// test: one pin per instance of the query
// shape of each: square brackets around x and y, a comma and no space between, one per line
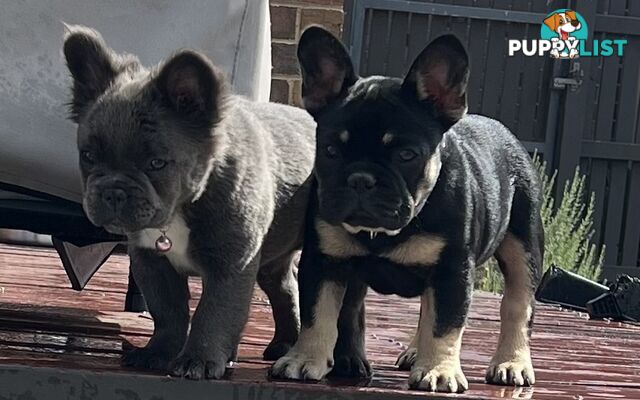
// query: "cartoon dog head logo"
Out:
[564,23]
[564,26]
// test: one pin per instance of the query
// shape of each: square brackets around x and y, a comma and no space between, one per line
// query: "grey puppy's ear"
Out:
[192,87]
[327,70]
[440,74]
[93,66]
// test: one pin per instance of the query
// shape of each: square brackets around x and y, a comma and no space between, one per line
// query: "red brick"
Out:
[296,94]
[280,91]
[283,22]
[330,19]
[283,57]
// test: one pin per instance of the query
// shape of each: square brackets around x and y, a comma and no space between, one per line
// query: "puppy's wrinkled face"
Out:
[379,139]
[144,137]
[378,153]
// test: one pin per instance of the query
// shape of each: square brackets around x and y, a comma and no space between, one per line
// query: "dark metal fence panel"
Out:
[595,126]
[607,147]
[386,35]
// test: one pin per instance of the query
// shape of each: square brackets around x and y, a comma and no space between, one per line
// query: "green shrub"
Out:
[568,232]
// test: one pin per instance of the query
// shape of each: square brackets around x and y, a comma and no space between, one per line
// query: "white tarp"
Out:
[37,142]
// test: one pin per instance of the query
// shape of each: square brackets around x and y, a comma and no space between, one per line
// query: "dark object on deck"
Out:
[621,303]
[81,262]
[568,289]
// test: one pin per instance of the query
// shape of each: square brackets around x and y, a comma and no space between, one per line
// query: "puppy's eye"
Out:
[332,151]
[88,157]
[157,164]
[407,155]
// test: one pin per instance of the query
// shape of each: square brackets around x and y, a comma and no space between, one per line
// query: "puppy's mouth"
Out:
[126,227]
[119,227]
[373,232]
[125,219]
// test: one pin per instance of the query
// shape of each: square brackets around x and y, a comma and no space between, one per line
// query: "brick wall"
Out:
[288,19]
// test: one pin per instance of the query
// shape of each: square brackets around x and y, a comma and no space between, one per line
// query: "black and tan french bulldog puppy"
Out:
[412,195]
[203,183]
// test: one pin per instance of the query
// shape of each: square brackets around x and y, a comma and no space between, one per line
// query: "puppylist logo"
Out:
[564,34]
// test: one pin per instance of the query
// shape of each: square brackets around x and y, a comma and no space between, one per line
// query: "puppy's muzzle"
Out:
[376,201]
[119,204]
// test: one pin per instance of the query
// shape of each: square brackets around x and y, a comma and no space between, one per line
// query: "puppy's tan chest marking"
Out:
[418,250]
[335,241]
[178,256]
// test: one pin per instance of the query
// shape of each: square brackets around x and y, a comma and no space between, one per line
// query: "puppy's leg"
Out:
[218,321]
[279,282]
[444,309]
[407,358]
[166,293]
[312,355]
[349,353]
[320,303]
[520,262]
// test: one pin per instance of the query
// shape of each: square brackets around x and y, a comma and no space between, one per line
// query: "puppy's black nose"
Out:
[575,22]
[361,181]
[114,198]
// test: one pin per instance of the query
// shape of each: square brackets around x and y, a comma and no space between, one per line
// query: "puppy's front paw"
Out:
[196,367]
[444,377]
[300,367]
[406,359]
[276,349]
[352,366]
[516,372]
[152,358]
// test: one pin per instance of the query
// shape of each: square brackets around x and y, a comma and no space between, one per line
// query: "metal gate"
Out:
[582,112]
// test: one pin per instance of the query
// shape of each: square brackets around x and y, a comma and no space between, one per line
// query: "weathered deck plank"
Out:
[60,340]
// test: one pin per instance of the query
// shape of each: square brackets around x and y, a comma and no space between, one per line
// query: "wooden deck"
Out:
[59,344]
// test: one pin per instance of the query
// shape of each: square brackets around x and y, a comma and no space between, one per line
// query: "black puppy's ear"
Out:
[440,74]
[327,71]
[192,87]
[93,66]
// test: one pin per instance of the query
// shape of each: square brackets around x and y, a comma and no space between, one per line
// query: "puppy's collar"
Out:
[163,242]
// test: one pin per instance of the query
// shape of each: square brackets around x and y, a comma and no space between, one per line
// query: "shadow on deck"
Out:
[59,344]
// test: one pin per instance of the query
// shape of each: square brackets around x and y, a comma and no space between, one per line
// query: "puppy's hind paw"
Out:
[447,377]
[197,368]
[299,367]
[406,359]
[518,372]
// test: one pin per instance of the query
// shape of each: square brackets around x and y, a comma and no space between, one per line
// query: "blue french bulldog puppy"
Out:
[203,183]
